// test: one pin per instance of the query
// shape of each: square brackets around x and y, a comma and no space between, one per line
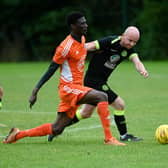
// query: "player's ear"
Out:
[72,26]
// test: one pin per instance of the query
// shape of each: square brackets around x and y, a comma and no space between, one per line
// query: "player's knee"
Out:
[119,104]
[86,115]
[122,104]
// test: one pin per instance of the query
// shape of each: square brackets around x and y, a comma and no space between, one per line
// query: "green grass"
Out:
[81,145]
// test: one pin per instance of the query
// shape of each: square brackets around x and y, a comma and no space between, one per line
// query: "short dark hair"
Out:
[73,17]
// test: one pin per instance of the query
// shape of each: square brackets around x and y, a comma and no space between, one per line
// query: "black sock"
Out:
[121,124]
[0,99]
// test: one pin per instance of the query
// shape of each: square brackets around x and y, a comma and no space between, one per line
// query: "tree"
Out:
[154,24]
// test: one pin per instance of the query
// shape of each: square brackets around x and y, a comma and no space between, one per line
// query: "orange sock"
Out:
[42,130]
[104,115]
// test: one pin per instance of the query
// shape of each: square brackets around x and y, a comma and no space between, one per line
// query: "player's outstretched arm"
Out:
[91,46]
[47,75]
[140,67]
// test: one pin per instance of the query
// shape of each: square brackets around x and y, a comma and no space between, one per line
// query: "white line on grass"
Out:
[3,125]
[29,111]
[74,129]
[77,129]
[67,130]
[39,112]
[33,112]
[2,136]
[83,128]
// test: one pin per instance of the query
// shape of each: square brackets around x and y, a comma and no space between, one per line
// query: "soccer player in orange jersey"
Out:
[70,56]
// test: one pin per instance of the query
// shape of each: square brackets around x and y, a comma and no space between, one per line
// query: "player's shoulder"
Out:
[66,43]
[68,39]
[111,38]
[115,39]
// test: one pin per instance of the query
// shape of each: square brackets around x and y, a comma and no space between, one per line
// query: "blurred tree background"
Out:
[30,30]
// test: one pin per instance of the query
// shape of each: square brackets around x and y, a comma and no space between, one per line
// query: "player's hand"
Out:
[33,97]
[144,74]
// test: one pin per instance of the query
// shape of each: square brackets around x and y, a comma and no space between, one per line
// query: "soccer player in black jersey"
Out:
[113,51]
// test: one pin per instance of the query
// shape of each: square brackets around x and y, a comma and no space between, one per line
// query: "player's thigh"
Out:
[93,97]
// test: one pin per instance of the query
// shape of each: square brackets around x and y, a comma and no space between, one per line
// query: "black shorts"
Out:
[98,85]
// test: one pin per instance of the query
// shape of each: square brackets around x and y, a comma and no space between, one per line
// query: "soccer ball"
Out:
[161,134]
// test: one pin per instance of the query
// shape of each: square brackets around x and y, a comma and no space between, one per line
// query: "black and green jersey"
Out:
[110,55]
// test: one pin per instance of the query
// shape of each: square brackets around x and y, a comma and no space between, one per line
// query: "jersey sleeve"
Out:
[103,43]
[60,55]
[108,42]
[132,53]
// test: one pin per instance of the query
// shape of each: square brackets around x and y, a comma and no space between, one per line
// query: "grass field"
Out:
[81,145]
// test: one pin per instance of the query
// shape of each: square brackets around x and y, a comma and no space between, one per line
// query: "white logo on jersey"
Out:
[112,62]
[70,90]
